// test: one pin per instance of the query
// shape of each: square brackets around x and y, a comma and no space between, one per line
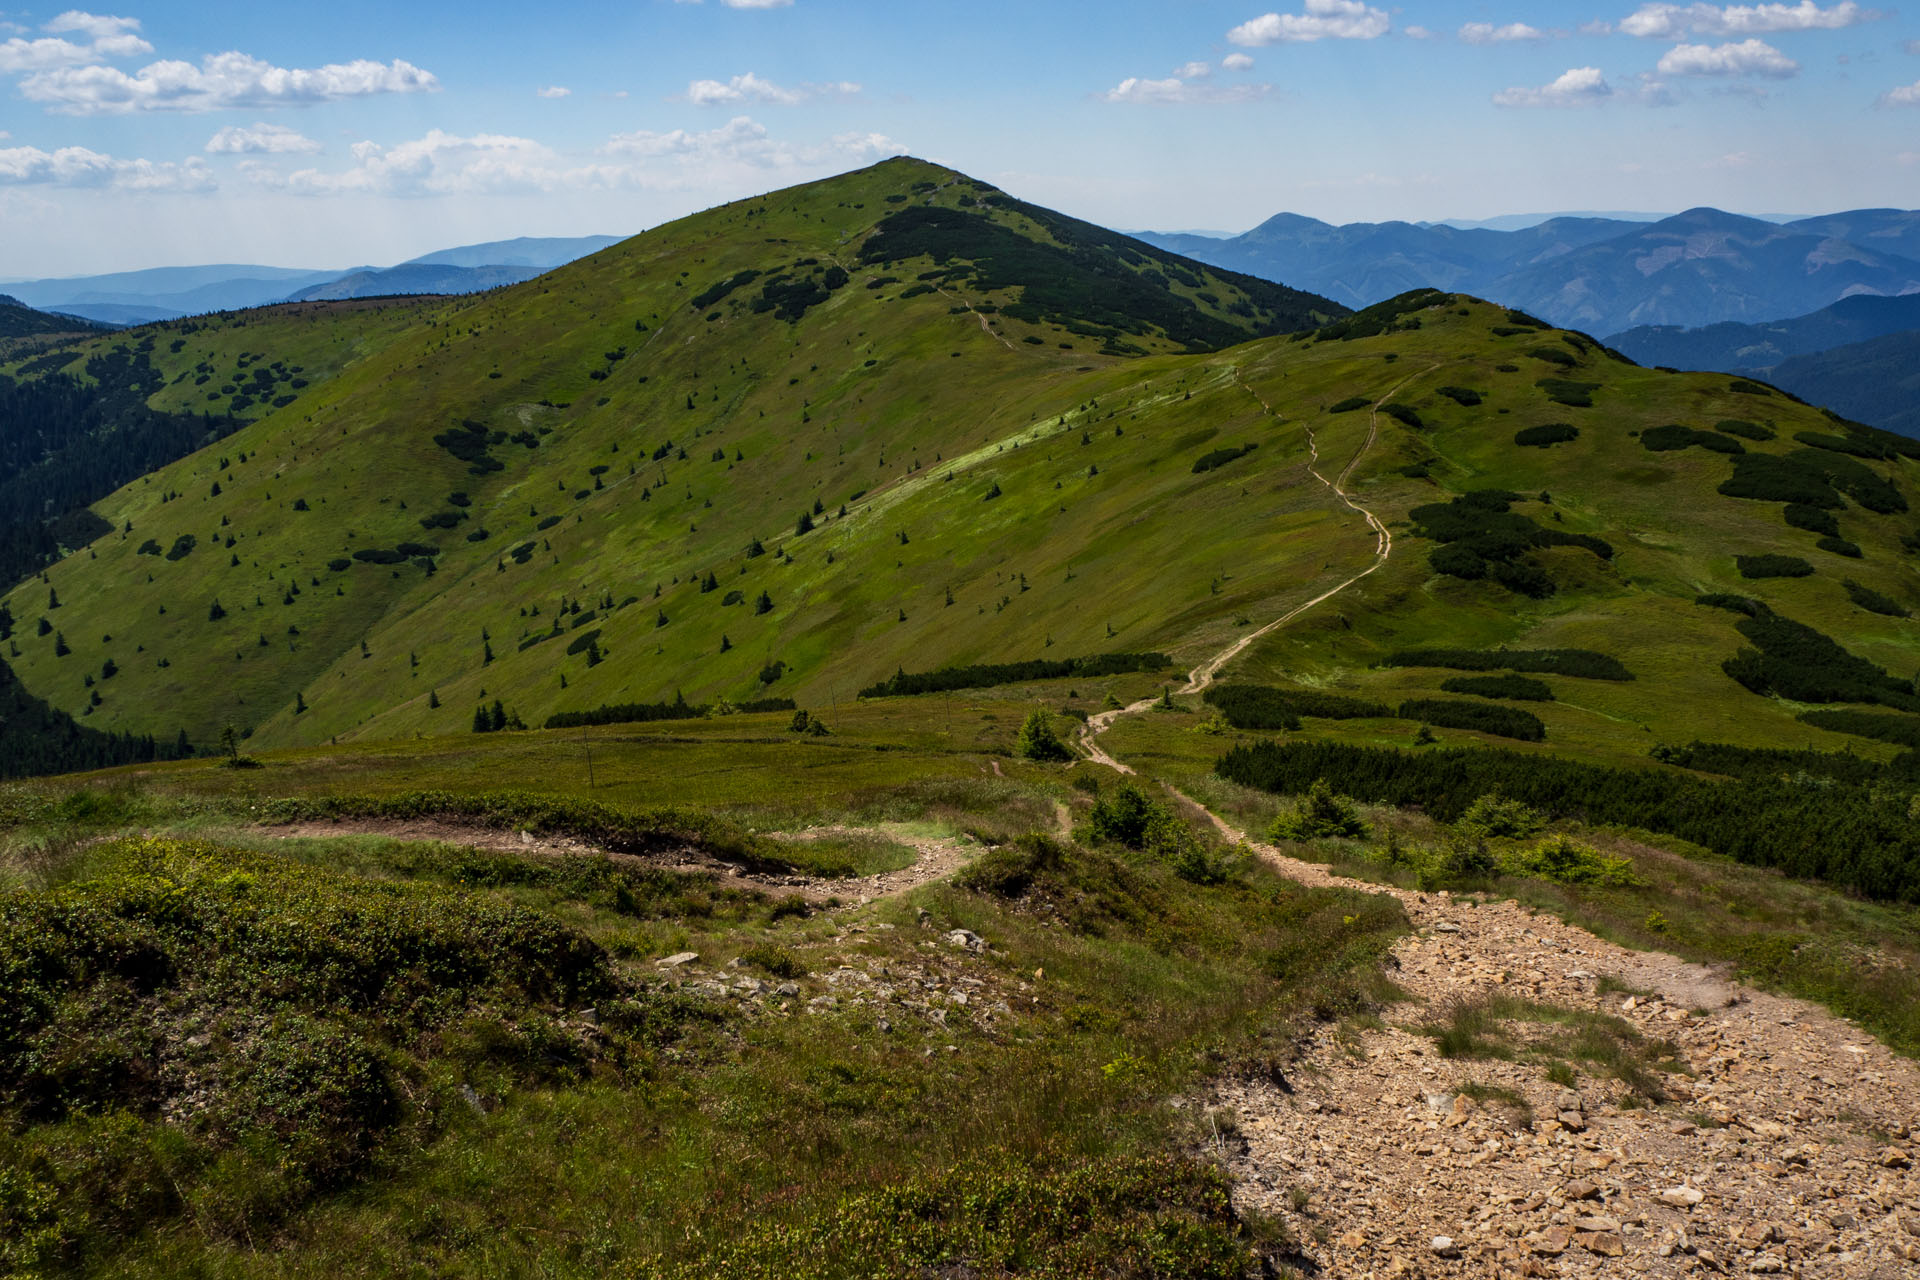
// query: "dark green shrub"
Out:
[1773,566]
[1575,395]
[1518,688]
[1482,717]
[1585,663]
[1038,741]
[1252,706]
[1546,434]
[987,675]
[1813,519]
[1874,602]
[1841,833]
[1465,396]
[1221,457]
[1350,404]
[1741,427]
[1320,814]
[1404,415]
[1553,355]
[1840,547]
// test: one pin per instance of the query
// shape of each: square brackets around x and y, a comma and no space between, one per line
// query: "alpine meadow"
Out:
[883,730]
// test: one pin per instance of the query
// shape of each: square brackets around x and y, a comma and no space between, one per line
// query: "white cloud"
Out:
[18,55]
[80,167]
[1907,95]
[92,25]
[1487,33]
[106,38]
[554,91]
[1176,91]
[1579,87]
[1673,21]
[1194,70]
[1418,33]
[740,153]
[1237,62]
[221,81]
[752,88]
[260,139]
[1320,20]
[1747,58]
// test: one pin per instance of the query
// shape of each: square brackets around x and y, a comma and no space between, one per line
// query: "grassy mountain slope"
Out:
[615,517]
[648,425]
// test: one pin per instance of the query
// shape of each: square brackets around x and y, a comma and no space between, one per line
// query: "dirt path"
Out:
[936,857]
[1203,675]
[985,327]
[1786,1148]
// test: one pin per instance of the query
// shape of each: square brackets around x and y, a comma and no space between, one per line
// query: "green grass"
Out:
[1554,1035]
[1041,1137]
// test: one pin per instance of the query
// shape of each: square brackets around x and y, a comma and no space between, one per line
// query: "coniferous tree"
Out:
[60,649]
[763,605]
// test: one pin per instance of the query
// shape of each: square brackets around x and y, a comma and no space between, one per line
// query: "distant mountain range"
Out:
[166,293]
[1602,275]
[17,320]
[1860,356]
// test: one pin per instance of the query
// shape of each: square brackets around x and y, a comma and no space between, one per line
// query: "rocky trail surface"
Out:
[1785,1145]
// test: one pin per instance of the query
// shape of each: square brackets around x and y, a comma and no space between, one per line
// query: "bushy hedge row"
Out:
[1795,661]
[1549,433]
[1517,688]
[986,675]
[1584,663]
[714,293]
[1481,538]
[1221,457]
[1567,391]
[1482,717]
[1775,762]
[1812,478]
[1875,602]
[1902,730]
[1254,706]
[1813,519]
[1857,837]
[644,712]
[1674,436]
[1772,566]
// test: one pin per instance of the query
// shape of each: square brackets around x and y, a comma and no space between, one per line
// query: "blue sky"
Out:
[355,132]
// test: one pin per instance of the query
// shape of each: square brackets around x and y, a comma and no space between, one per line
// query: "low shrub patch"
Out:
[1517,688]
[1545,435]
[1482,717]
